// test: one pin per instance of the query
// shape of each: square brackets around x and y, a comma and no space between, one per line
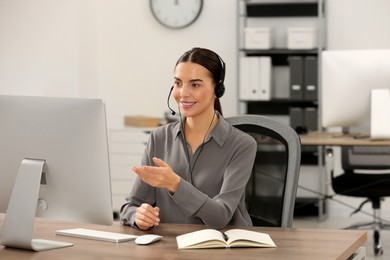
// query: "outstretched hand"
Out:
[160,176]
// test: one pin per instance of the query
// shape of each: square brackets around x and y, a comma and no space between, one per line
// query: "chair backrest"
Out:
[272,188]
[365,158]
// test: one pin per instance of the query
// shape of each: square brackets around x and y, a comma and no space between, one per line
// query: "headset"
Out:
[220,86]
[169,107]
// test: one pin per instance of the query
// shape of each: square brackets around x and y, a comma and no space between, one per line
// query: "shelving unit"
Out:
[278,18]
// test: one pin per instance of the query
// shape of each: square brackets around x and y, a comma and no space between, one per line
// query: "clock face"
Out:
[176,13]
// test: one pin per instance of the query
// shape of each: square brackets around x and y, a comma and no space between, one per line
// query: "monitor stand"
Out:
[380,114]
[18,225]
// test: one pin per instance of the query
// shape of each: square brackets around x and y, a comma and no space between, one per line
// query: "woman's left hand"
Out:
[160,176]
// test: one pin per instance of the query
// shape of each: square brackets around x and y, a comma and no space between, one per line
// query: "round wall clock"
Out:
[176,13]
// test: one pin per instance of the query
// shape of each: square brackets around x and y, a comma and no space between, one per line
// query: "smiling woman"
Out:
[194,170]
[176,14]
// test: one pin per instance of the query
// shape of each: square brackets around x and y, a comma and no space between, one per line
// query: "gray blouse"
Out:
[213,179]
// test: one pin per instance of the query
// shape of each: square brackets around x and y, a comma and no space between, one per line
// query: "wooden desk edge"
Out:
[336,139]
[347,242]
[354,247]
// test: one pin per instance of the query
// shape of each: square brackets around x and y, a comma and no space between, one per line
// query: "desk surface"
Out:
[291,244]
[338,139]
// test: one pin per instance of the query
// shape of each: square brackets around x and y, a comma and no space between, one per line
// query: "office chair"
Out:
[364,176]
[272,188]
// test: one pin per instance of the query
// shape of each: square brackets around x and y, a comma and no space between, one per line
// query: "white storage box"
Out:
[257,38]
[301,38]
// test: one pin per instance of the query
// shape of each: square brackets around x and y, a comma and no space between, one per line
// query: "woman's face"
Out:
[193,89]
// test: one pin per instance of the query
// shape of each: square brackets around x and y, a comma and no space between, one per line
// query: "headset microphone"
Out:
[169,107]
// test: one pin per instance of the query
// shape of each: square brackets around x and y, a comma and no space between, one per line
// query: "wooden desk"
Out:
[291,244]
[338,139]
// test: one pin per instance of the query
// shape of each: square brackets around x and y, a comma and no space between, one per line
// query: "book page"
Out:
[206,238]
[247,238]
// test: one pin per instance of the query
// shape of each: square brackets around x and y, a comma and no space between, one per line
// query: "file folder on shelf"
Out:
[303,119]
[255,78]
[296,78]
[311,118]
[297,121]
[311,72]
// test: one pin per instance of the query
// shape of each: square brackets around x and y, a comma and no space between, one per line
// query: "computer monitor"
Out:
[355,90]
[54,163]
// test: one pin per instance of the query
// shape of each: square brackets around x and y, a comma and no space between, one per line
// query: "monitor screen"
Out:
[348,78]
[67,138]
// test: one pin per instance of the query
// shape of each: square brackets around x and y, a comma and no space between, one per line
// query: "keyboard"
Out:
[96,235]
[371,150]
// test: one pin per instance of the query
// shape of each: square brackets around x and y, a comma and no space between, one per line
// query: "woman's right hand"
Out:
[147,216]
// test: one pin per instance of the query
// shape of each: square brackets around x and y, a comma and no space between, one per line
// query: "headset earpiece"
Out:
[220,86]
[219,89]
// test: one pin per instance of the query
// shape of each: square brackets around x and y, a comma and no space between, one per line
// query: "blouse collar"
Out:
[219,132]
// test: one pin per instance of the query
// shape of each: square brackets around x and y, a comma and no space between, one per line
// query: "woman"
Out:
[194,170]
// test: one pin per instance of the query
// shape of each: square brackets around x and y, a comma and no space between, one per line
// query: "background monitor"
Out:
[67,137]
[348,77]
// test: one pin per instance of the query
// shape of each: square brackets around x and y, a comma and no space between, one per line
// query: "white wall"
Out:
[113,50]
[39,50]
[358,24]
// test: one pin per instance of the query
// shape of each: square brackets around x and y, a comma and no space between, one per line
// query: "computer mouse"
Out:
[147,239]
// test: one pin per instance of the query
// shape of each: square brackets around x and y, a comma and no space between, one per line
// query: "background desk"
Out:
[338,139]
[292,244]
[324,140]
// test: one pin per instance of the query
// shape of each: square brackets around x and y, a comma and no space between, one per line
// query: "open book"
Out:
[211,238]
